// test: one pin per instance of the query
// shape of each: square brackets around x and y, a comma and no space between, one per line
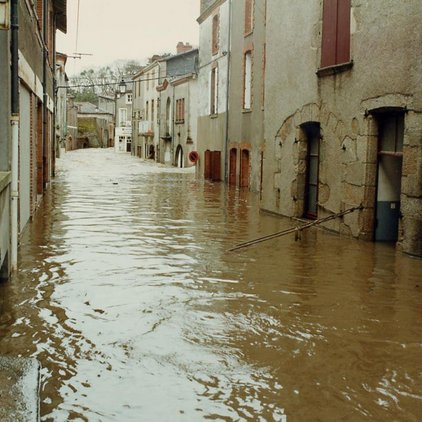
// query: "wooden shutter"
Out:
[329,33]
[343,31]
[248,16]
[335,32]
[215,35]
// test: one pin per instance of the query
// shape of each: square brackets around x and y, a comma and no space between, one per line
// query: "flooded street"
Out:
[128,297]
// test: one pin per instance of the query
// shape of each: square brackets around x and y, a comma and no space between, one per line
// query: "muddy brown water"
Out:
[128,297]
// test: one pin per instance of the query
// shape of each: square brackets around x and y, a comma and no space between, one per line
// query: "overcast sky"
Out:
[126,29]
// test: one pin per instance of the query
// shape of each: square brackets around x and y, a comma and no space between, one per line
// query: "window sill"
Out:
[247,110]
[180,122]
[246,34]
[333,70]
[213,116]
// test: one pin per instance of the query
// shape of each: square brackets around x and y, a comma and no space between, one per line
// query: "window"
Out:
[215,29]
[247,78]
[335,47]
[128,98]
[214,91]
[158,110]
[122,116]
[180,110]
[249,5]
[146,111]
[152,110]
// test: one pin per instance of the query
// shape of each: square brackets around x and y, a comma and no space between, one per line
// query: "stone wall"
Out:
[385,73]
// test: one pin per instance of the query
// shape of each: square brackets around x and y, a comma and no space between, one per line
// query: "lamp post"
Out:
[122,87]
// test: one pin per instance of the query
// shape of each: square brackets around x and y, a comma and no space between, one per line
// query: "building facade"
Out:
[343,118]
[146,128]
[213,72]
[32,99]
[246,95]
[178,107]
[95,126]
[123,122]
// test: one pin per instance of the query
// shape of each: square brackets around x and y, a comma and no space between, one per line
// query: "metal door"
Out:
[390,154]
[312,131]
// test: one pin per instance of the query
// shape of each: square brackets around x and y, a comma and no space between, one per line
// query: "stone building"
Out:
[95,126]
[246,94]
[37,22]
[214,48]
[343,122]
[178,107]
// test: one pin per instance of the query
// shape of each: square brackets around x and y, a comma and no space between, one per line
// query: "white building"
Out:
[123,118]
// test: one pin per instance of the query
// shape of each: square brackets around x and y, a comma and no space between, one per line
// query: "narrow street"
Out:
[129,299]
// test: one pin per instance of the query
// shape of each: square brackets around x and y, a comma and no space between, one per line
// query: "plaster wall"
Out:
[246,127]
[212,128]
[185,133]
[386,72]
[151,77]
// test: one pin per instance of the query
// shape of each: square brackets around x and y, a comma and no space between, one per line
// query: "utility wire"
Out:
[93,85]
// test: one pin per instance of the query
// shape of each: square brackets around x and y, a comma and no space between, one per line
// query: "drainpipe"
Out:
[14,47]
[45,96]
[226,143]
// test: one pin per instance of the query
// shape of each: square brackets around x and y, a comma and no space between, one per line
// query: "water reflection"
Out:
[130,300]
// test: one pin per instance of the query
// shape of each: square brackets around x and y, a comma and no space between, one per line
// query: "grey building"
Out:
[343,104]
[246,95]
[214,49]
[178,106]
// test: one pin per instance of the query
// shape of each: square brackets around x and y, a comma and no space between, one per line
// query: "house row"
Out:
[156,112]
[316,105]
[28,133]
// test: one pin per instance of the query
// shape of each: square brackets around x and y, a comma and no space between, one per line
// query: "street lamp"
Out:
[122,87]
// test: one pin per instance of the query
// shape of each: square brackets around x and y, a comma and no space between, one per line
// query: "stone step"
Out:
[19,389]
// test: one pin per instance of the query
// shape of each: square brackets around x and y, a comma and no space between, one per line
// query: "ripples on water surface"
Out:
[127,295]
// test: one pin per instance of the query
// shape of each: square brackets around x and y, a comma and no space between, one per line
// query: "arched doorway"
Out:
[179,157]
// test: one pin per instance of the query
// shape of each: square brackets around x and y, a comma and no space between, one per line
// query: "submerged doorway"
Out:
[244,169]
[313,135]
[389,173]
[232,172]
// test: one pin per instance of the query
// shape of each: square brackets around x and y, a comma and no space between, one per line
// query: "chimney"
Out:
[182,47]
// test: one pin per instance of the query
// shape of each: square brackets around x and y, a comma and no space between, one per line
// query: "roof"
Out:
[89,108]
[60,7]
